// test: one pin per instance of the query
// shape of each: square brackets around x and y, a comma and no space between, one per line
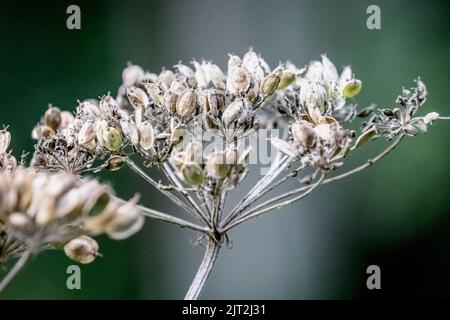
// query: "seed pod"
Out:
[19,221]
[89,109]
[5,140]
[132,74]
[107,104]
[46,132]
[137,97]
[287,78]
[83,249]
[178,86]
[193,152]
[67,119]
[52,118]
[191,173]
[239,80]
[170,101]
[126,221]
[313,95]
[215,75]
[365,137]
[86,134]
[130,130]
[236,113]
[430,117]
[114,163]
[109,138]
[146,135]
[166,77]
[217,165]
[303,134]
[155,92]
[351,88]
[270,83]
[186,103]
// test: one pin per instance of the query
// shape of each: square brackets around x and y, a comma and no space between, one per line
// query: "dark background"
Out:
[394,215]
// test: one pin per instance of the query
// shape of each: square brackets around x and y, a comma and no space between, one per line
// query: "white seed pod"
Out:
[191,173]
[236,112]
[132,74]
[185,70]
[114,163]
[345,76]
[130,130]
[7,162]
[67,119]
[325,131]
[217,165]
[186,103]
[239,80]
[177,134]
[166,77]
[215,75]
[146,135]
[193,152]
[107,104]
[315,71]
[351,88]
[178,86]
[170,101]
[19,221]
[52,118]
[329,70]
[304,134]
[69,204]
[270,83]
[87,133]
[137,97]
[127,220]
[200,75]
[5,141]
[155,92]
[83,249]
[313,95]
[250,60]
[233,61]
[89,109]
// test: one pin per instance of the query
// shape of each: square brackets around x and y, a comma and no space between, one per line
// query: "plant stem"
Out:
[164,217]
[15,270]
[211,253]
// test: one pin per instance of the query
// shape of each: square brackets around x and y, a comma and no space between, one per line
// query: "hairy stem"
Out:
[15,270]
[203,272]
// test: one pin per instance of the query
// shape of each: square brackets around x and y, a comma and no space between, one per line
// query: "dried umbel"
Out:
[156,118]
[41,211]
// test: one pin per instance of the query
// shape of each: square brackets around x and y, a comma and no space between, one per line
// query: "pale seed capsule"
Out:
[107,104]
[351,88]
[236,112]
[215,75]
[46,132]
[52,118]
[86,134]
[5,140]
[146,135]
[83,249]
[287,78]
[170,101]
[365,137]
[178,86]
[186,103]
[137,97]
[89,109]
[217,165]
[303,134]
[192,173]
[114,163]
[19,221]
[125,222]
[193,152]
[67,119]
[239,80]
[155,92]
[166,77]
[270,83]
[130,130]
[132,75]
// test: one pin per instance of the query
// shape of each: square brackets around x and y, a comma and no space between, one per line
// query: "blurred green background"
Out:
[395,215]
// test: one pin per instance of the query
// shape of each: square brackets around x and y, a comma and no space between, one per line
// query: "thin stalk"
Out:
[210,257]
[15,270]
[169,195]
[173,179]
[276,206]
[164,217]
[367,164]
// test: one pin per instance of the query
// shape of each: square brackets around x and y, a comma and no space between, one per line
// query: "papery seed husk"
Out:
[146,135]
[192,174]
[83,249]
[170,101]
[217,165]
[52,118]
[303,134]
[239,80]
[365,137]
[287,78]
[137,97]
[114,163]
[5,141]
[132,74]
[270,83]
[87,133]
[186,103]
[351,88]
